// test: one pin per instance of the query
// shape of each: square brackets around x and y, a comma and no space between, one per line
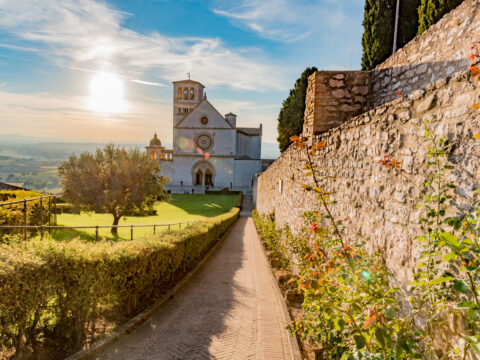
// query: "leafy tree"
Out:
[378,24]
[290,118]
[112,180]
[430,11]
[407,21]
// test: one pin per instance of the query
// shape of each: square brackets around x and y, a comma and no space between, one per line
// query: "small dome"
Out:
[155,141]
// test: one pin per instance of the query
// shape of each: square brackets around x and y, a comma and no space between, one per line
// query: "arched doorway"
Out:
[199,177]
[208,178]
[203,173]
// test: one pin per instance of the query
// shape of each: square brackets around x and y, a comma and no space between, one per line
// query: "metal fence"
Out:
[52,202]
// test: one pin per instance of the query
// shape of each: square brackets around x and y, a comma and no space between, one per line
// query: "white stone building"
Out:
[209,150]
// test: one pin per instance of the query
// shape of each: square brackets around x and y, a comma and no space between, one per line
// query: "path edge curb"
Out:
[292,340]
[139,319]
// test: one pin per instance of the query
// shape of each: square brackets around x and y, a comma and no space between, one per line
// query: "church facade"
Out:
[209,150]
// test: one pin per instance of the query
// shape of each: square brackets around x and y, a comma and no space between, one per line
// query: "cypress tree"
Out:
[378,24]
[290,118]
[430,11]
[407,22]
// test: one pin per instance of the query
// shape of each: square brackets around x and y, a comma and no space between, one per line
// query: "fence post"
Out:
[25,219]
[180,225]
[154,229]
[41,232]
[41,211]
[168,227]
[131,232]
[49,213]
[96,233]
[55,210]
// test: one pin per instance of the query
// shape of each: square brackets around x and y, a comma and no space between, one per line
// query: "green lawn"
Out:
[181,208]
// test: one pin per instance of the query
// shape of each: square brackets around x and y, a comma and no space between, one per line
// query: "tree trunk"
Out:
[114,230]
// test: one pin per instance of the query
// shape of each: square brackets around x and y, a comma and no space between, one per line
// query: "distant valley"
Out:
[33,165]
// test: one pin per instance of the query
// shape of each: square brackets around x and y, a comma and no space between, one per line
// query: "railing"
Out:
[42,228]
[40,199]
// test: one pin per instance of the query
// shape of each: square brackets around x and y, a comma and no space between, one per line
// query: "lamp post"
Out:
[396,27]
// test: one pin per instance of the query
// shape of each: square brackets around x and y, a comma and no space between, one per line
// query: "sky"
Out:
[102,71]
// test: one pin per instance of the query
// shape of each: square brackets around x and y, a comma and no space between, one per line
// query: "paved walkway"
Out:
[227,310]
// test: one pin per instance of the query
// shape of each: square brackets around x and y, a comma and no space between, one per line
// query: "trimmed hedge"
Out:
[52,293]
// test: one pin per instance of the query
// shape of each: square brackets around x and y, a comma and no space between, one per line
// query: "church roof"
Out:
[196,106]
[5,186]
[250,131]
[155,141]
[189,81]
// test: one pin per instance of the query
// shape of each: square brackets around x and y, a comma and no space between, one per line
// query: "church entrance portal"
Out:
[199,177]
[208,179]
[203,173]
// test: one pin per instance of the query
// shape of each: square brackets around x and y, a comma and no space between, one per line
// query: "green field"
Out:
[181,208]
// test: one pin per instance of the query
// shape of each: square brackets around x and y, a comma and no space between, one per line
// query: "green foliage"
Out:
[14,214]
[449,268]
[430,11]
[350,310]
[54,292]
[290,118]
[272,236]
[378,25]
[407,22]
[113,180]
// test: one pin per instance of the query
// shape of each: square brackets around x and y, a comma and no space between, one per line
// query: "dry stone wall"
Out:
[381,204]
[333,97]
[439,52]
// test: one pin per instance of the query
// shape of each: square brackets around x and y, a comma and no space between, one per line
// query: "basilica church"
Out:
[209,151]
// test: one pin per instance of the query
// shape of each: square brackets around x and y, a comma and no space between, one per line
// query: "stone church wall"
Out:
[381,204]
[439,52]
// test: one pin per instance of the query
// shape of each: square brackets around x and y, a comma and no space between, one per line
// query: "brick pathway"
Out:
[227,310]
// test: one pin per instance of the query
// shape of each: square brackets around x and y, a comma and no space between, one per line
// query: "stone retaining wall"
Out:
[382,205]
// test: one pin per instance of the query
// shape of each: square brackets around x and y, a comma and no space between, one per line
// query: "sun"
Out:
[106,94]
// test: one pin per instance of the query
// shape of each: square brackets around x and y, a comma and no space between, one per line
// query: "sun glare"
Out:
[106,94]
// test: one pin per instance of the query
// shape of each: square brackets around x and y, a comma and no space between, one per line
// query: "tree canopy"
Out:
[112,180]
[430,11]
[407,21]
[378,24]
[290,118]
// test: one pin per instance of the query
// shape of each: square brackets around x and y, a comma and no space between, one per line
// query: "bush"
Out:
[54,292]
[13,214]
[274,238]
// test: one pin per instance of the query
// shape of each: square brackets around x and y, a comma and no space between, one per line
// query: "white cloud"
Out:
[89,34]
[283,20]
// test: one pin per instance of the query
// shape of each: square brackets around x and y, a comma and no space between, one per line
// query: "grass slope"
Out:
[181,208]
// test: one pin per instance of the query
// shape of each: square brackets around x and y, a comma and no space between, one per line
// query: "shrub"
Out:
[274,238]
[13,214]
[54,292]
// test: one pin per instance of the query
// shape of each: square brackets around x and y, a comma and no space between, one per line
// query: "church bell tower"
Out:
[186,95]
